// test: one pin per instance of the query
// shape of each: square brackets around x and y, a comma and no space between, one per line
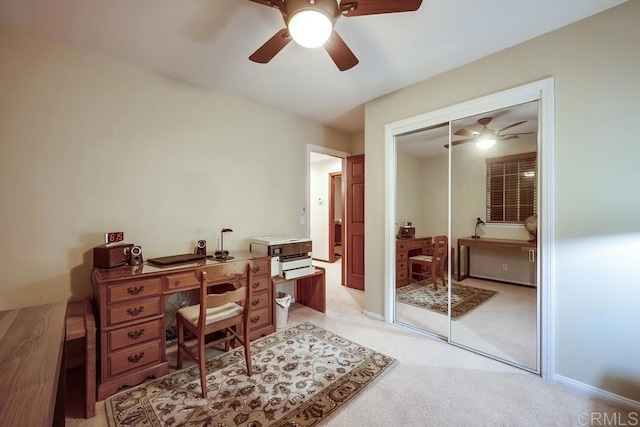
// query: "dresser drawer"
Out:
[401,275]
[261,266]
[188,280]
[259,300]
[132,289]
[260,283]
[134,357]
[133,310]
[401,246]
[401,256]
[132,335]
[259,318]
[401,266]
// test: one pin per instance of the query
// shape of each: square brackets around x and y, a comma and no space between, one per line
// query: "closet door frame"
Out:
[542,90]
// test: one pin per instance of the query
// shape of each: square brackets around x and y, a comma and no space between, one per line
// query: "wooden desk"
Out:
[310,290]
[131,310]
[81,324]
[31,359]
[406,248]
[505,244]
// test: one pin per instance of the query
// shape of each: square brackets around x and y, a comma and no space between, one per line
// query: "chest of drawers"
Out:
[131,310]
[406,248]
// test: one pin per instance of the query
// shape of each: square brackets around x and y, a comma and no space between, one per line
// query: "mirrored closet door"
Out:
[422,213]
[494,201]
[479,175]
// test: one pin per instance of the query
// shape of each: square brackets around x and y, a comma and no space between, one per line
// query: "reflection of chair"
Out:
[432,266]
[220,311]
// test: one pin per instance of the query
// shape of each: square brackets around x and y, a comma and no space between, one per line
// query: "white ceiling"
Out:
[207,43]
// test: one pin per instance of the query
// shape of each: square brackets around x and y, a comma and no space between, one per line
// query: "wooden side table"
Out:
[81,323]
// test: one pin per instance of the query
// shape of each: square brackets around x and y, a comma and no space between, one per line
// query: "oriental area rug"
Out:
[464,298]
[301,375]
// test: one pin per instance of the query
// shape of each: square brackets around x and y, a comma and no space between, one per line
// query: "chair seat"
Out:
[425,258]
[215,314]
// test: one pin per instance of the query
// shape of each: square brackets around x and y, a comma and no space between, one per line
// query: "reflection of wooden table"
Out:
[32,365]
[505,244]
[310,290]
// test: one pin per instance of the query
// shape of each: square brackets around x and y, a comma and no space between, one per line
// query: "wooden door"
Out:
[355,222]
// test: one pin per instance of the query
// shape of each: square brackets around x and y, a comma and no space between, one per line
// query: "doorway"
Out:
[325,204]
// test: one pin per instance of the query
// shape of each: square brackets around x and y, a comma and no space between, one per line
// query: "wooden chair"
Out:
[432,266]
[221,312]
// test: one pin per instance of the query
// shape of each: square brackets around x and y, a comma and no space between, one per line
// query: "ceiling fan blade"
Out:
[340,52]
[512,125]
[509,137]
[462,141]
[465,132]
[374,7]
[275,44]
[270,3]
[516,134]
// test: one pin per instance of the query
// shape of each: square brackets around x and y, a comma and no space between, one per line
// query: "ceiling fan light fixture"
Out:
[310,27]
[485,142]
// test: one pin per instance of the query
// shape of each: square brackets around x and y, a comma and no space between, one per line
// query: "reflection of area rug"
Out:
[464,299]
[300,376]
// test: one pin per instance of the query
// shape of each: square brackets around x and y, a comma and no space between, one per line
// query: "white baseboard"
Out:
[597,393]
[374,316]
[502,279]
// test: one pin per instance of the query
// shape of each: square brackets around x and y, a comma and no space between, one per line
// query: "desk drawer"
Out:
[415,244]
[134,357]
[261,266]
[401,256]
[401,246]
[133,310]
[260,300]
[131,335]
[133,289]
[401,266]
[259,318]
[260,283]
[401,275]
[174,282]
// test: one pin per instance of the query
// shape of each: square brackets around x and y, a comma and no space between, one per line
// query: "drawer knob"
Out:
[136,357]
[135,311]
[255,285]
[254,270]
[176,283]
[255,319]
[134,335]
[135,290]
[255,302]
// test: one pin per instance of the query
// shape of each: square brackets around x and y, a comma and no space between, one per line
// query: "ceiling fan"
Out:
[311,24]
[486,136]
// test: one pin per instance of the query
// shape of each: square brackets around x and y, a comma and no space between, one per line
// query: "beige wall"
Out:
[89,144]
[595,63]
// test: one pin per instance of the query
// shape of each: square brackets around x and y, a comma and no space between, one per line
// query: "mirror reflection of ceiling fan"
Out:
[486,137]
[311,24]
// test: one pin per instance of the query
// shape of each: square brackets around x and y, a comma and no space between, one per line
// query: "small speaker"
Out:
[135,256]
[201,247]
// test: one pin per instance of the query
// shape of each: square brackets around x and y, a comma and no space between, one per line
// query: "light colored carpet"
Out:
[433,383]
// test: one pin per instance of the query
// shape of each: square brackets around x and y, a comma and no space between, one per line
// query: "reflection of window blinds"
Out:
[511,188]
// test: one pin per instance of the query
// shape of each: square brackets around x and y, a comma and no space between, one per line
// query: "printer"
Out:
[290,257]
